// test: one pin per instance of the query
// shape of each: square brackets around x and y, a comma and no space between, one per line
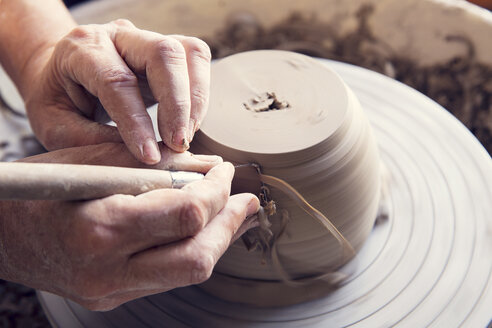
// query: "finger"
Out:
[249,223]
[95,64]
[69,128]
[191,261]
[198,58]
[82,100]
[214,190]
[167,215]
[186,161]
[117,154]
[163,60]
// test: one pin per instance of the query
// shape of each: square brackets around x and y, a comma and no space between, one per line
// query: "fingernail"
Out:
[151,151]
[180,139]
[253,207]
[208,158]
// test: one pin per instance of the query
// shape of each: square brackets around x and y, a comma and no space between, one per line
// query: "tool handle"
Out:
[23,181]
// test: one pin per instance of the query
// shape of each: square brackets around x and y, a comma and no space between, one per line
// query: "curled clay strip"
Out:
[348,250]
[331,277]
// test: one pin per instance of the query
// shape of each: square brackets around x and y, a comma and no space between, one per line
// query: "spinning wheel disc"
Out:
[428,264]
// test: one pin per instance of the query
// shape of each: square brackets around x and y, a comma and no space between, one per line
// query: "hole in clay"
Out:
[265,102]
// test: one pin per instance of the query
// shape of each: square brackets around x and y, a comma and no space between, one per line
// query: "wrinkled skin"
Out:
[105,252]
[124,69]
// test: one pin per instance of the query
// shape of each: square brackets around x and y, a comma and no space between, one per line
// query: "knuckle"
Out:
[101,240]
[78,48]
[218,203]
[139,116]
[210,195]
[64,46]
[183,104]
[82,32]
[199,48]
[51,139]
[192,219]
[171,50]
[123,22]
[202,264]
[95,235]
[224,191]
[117,203]
[235,211]
[199,97]
[117,77]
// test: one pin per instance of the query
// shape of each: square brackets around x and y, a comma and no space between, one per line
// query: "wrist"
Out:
[28,75]
[27,33]
[31,69]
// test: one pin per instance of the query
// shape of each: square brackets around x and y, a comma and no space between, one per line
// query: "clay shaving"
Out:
[265,240]
[265,102]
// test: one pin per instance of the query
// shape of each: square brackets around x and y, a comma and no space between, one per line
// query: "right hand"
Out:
[105,252]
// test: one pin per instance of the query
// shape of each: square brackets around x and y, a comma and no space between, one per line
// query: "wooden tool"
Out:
[82,182]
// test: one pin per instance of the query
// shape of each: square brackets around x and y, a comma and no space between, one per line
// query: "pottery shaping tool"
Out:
[81,182]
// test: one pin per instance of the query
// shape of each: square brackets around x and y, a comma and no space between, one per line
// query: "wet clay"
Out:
[321,145]
[265,102]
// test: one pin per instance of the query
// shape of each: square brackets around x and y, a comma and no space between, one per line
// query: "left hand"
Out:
[124,69]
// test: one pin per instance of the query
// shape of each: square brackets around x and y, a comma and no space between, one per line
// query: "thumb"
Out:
[67,128]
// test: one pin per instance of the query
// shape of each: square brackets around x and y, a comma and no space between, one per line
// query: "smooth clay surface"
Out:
[300,122]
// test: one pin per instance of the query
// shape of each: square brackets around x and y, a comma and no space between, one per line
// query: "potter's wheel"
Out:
[428,264]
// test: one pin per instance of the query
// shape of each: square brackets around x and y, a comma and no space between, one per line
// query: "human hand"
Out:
[105,252]
[124,69]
